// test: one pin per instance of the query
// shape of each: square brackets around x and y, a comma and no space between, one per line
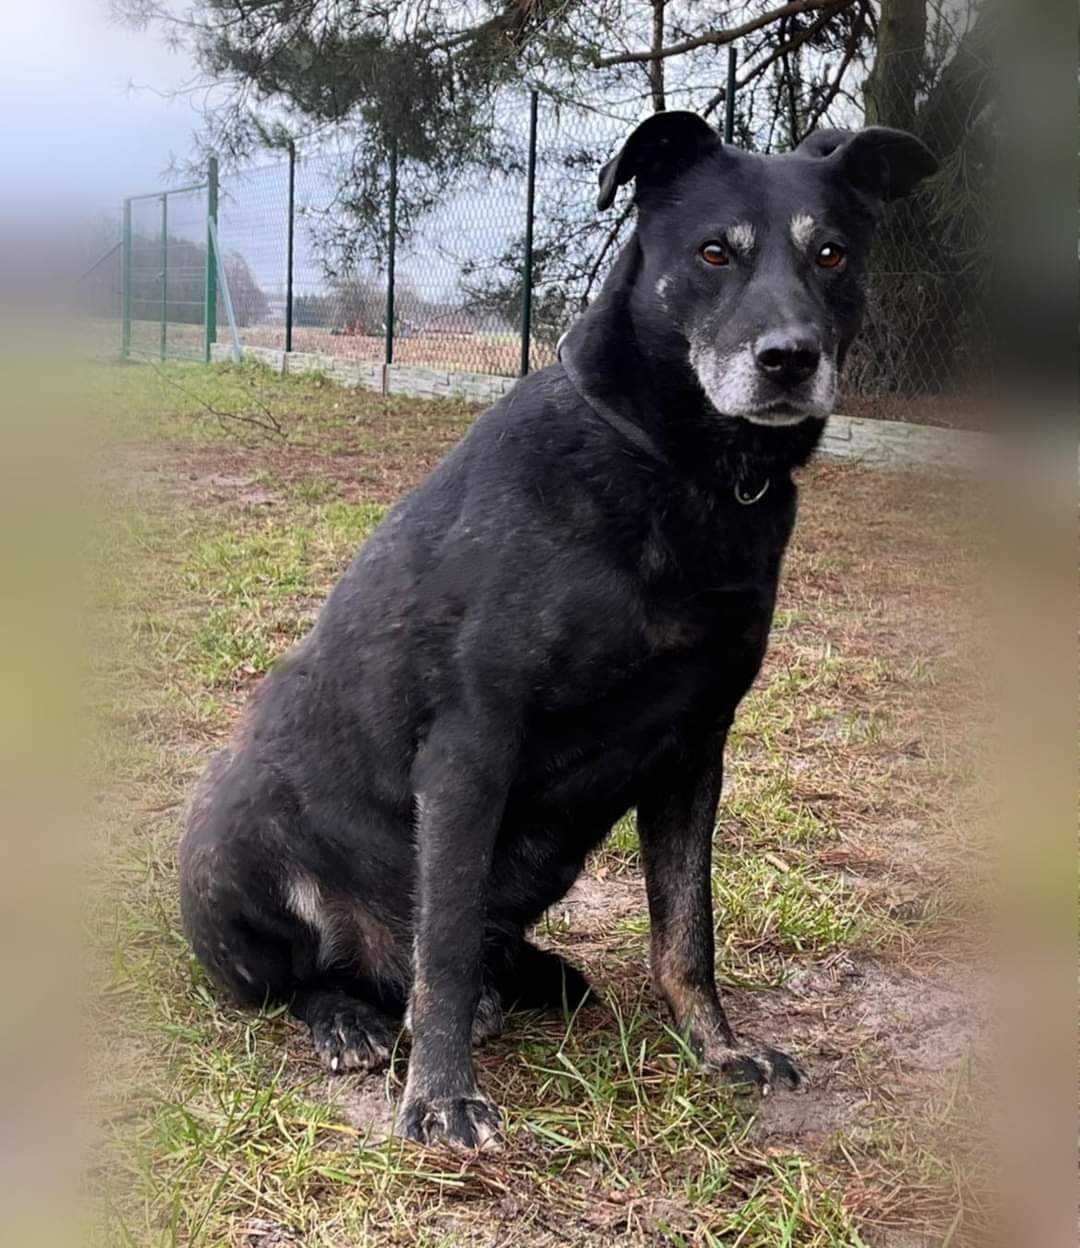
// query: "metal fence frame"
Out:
[211,187]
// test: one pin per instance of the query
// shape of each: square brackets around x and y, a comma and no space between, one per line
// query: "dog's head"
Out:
[753,266]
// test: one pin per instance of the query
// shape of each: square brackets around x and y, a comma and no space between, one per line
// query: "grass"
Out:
[217,542]
[259,586]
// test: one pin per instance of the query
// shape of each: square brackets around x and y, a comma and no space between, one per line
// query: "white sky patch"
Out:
[78,139]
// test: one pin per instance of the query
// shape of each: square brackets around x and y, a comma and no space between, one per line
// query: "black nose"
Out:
[788,356]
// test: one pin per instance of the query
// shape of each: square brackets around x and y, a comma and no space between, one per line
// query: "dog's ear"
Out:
[884,164]
[662,146]
[823,142]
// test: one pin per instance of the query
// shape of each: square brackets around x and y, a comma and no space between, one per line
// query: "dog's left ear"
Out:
[882,163]
[662,146]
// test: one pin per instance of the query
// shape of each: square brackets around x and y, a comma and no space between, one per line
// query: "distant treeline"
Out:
[185,283]
[357,305]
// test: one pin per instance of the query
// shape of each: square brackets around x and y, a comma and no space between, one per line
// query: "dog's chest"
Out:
[611,724]
[709,590]
[648,679]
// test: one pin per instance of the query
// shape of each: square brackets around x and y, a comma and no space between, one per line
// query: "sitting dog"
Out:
[555,627]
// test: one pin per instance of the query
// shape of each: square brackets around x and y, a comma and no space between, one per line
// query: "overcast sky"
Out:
[76,138]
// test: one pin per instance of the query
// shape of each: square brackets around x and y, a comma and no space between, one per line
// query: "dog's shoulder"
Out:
[542,413]
[540,441]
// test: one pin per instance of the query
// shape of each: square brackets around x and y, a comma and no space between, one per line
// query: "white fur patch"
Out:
[742,237]
[802,230]
[305,901]
[732,383]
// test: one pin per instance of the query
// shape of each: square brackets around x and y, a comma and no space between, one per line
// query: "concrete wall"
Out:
[421,383]
[896,444]
[880,443]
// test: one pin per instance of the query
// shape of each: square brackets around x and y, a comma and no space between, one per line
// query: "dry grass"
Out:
[838,878]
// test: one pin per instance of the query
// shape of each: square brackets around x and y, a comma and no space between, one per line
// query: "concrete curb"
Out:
[876,443]
[897,444]
[410,379]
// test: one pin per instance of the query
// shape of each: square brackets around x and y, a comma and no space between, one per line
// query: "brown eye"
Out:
[831,256]
[715,253]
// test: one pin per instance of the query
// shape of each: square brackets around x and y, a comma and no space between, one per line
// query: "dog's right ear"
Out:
[662,146]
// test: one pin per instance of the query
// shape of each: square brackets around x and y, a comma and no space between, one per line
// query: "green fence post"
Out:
[210,333]
[289,255]
[125,285]
[391,255]
[164,272]
[530,213]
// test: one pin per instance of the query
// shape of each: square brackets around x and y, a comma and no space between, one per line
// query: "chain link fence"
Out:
[486,279]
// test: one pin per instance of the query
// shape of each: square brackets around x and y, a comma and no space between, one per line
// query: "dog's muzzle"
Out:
[783,378]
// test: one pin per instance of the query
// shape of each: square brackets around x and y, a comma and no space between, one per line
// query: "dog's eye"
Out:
[715,253]
[831,256]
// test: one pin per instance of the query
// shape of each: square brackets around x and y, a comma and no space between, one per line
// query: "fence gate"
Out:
[169,273]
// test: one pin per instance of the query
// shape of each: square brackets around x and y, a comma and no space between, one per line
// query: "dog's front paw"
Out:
[756,1068]
[462,1122]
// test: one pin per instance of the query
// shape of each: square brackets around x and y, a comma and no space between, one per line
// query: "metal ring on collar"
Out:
[746,499]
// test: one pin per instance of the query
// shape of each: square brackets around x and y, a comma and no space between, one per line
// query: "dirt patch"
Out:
[926,1022]
[597,904]
[243,489]
[946,411]
[365,1103]
[209,475]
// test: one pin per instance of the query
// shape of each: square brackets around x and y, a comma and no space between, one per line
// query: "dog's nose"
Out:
[788,356]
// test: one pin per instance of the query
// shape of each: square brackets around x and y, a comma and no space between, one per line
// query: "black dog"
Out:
[555,627]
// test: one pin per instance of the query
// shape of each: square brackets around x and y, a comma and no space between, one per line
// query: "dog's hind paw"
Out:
[466,1122]
[488,1020]
[758,1069]
[351,1038]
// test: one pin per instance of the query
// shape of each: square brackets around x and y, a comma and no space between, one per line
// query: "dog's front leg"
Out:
[676,829]
[461,780]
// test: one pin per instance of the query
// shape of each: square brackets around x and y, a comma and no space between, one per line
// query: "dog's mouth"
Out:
[786,411]
[735,386]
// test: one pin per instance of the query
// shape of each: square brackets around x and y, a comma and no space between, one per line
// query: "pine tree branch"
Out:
[717,38]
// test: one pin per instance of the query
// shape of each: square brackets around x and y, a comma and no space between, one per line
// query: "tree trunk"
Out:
[656,68]
[891,88]
[962,92]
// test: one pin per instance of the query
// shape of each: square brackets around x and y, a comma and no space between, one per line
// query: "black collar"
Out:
[747,493]
[631,432]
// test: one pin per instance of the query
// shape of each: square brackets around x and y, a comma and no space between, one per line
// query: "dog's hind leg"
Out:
[519,976]
[351,987]
[269,932]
